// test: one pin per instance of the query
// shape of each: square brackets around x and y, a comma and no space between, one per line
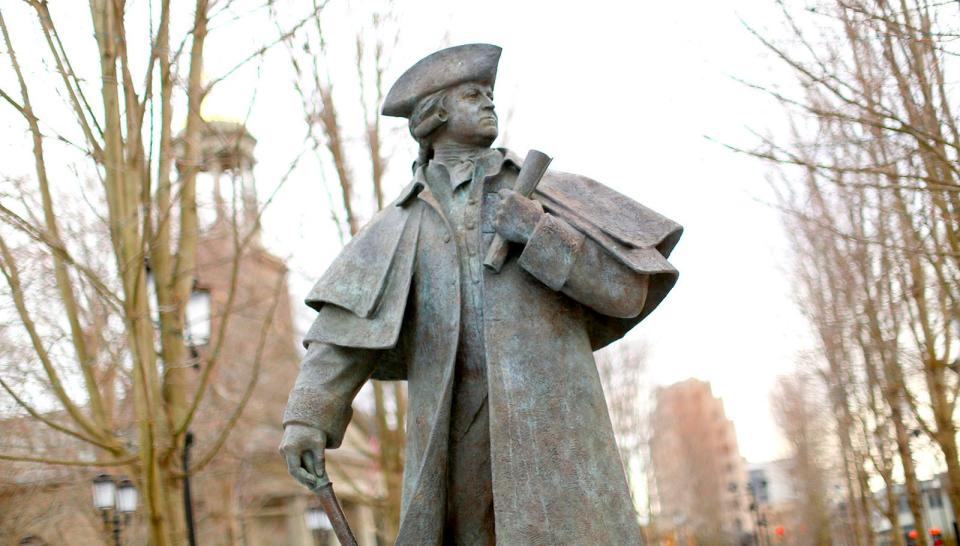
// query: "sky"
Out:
[636,95]
[628,93]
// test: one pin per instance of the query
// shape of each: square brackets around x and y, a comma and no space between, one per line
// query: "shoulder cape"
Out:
[362,296]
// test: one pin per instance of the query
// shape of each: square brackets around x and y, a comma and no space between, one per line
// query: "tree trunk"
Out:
[864,485]
[909,469]
[946,438]
[892,511]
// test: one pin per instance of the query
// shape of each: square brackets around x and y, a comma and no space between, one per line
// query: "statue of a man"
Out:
[508,436]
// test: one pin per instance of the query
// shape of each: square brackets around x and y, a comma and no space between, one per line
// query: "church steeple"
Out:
[226,147]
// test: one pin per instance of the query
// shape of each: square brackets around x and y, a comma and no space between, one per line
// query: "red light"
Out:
[779,530]
[912,534]
[935,531]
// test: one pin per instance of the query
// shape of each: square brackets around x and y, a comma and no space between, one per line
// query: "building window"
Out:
[935,499]
[902,504]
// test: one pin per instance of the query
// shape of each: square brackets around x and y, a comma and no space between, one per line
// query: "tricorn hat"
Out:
[440,70]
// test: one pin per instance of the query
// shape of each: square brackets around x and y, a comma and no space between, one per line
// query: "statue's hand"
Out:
[517,216]
[302,448]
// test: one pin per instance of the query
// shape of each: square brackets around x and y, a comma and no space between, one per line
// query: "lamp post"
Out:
[196,334]
[318,523]
[187,497]
[116,501]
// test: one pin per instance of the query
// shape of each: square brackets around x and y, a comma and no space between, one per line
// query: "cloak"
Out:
[394,289]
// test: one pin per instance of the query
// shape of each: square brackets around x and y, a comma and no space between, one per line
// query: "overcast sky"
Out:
[623,92]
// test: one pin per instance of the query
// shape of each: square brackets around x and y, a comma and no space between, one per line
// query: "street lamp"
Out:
[127,497]
[197,327]
[114,498]
[196,331]
[318,523]
[104,492]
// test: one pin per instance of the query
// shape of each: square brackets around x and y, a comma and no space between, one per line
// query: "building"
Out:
[244,495]
[773,487]
[772,482]
[699,478]
[937,512]
[264,505]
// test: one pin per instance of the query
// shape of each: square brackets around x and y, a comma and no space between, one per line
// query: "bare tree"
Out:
[871,198]
[357,151]
[75,256]
[622,367]
[796,407]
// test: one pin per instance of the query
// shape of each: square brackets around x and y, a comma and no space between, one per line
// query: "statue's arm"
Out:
[330,377]
[564,259]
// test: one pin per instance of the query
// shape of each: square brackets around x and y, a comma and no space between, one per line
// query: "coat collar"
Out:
[419,183]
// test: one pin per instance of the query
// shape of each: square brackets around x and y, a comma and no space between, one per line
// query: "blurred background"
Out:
[177,174]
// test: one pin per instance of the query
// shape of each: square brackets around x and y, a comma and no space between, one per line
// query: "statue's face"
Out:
[471,118]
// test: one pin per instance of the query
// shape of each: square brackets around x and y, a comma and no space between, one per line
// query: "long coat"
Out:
[389,307]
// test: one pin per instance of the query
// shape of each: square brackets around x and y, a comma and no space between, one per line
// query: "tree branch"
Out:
[9,270]
[64,283]
[115,449]
[66,462]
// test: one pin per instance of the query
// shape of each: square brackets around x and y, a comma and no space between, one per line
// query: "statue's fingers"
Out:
[293,461]
[308,462]
[315,464]
[306,478]
[298,472]
[320,464]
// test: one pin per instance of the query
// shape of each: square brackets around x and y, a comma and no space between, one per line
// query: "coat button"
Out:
[471,224]
[446,238]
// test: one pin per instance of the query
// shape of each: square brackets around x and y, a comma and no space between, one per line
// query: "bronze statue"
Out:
[508,436]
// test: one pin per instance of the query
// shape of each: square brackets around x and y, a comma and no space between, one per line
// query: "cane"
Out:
[330,505]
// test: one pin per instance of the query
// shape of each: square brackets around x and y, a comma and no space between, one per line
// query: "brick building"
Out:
[699,479]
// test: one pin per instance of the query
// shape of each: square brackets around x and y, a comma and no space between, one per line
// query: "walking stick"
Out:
[330,505]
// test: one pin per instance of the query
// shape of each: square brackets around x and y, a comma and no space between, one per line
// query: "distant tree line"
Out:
[868,183]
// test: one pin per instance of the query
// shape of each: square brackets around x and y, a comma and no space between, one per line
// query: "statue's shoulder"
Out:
[357,277]
[361,297]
